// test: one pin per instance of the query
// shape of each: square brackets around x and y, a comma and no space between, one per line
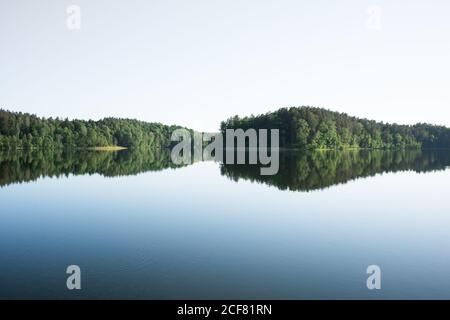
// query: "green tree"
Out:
[303,131]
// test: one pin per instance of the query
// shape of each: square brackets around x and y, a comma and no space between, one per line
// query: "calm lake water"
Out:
[140,227]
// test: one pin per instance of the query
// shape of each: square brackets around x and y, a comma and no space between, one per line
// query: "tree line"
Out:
[316,128]
[303,127]
[26,131]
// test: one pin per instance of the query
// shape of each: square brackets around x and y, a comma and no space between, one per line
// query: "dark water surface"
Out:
[140,227]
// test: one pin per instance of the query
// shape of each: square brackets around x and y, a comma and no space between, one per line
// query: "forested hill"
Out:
[316,128]
[22,130]
[303,127]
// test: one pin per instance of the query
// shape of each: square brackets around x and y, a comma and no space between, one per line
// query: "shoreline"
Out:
[109,148]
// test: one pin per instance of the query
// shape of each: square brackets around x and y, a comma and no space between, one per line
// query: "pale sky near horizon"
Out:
[195,63]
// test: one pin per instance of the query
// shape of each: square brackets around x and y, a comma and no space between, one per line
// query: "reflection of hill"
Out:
[301,171]
[30,165]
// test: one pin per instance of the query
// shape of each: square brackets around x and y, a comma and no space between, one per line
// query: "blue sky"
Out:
[195,63]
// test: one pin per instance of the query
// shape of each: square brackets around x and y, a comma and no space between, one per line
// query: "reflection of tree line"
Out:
[321,169]
[298,170]
[27,166]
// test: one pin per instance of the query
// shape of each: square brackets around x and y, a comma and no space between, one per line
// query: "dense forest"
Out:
[25,131]
[316,128]
[305,127]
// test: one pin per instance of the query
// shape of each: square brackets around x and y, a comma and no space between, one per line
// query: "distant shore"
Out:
[109,148]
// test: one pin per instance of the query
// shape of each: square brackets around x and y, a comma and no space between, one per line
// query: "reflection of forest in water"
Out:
[298,170]
[27,166]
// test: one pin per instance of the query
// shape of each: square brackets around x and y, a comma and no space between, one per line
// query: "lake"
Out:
[141,227]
